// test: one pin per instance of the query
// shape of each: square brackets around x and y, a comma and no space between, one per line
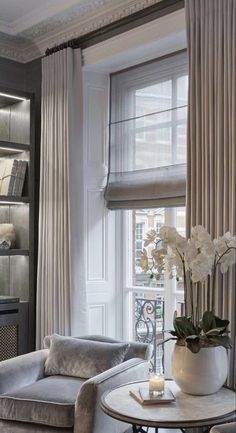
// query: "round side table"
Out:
[187,411]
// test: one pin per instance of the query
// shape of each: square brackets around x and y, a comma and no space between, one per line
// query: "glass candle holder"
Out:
[156,384]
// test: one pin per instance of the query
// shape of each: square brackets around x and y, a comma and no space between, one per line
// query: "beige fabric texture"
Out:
[82,358]
[211,148]
[61,294]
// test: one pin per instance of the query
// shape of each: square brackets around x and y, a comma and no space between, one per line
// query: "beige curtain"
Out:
[211,177]
[61,297]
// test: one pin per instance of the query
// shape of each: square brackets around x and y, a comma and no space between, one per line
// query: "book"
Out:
[2,170]
[9,164]
[143,396]
[13,175]
[4,178]
[19,178]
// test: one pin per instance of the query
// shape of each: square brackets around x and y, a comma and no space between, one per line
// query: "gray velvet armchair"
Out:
[33,402]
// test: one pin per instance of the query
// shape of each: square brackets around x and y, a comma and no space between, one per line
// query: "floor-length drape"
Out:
[61,297]
[211,179]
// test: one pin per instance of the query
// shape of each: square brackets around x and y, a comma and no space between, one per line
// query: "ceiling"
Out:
[28,27]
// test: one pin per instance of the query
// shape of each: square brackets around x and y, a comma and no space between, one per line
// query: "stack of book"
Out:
[144,397]
[12,176]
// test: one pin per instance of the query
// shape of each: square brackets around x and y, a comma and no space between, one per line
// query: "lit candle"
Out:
[157,384]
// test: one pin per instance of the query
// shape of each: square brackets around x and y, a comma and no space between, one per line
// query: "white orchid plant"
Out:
[196,261]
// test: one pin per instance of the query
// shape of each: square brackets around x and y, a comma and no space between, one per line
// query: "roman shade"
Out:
[147,152]
[155,187]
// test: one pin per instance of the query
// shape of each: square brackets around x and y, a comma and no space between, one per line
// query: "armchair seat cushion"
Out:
[50,401]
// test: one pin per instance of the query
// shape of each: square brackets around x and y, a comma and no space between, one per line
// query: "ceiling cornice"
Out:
[32,43]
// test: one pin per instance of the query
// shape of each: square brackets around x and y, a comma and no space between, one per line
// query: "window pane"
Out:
[143,221]
[149,119]
[154,98]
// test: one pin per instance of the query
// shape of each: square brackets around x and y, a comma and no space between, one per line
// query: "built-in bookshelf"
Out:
[17,263]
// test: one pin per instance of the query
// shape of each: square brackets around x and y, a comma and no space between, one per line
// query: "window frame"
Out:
[125,219]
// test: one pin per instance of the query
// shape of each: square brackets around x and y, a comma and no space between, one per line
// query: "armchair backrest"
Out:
[136,350]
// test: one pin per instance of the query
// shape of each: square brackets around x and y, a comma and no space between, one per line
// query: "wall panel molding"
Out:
[97,233]
[97,319]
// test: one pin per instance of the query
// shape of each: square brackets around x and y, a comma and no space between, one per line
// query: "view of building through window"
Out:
[145,220]
[149,305]
[161,124]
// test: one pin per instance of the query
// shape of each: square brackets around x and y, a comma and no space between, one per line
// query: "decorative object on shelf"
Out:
[12,176]
[5,245]
[7,236]
[200,341]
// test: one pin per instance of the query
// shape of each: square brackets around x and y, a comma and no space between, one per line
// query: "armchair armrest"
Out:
[22,370]
[89,417]
[230,427]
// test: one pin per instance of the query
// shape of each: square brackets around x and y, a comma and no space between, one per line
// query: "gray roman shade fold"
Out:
[147,151]
[155,187]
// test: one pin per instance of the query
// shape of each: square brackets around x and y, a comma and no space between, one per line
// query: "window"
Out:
[147,178]
[139,235]
[147,135]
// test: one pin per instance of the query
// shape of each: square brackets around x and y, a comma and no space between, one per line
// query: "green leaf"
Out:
[222,340]
[216,331]
[184,327]
[165,341]
[208,321]
[173,333]
[193,343]
[221,323]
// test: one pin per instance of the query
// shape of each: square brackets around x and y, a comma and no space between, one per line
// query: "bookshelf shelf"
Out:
[14,252]
[8,147]
[9,199]
[17,202]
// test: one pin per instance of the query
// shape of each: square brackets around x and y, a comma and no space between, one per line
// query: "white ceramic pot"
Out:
[200,373]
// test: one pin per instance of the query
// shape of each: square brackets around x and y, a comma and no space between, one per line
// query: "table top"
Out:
[186,411]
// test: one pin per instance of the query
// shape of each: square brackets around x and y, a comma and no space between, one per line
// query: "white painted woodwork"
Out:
[99,222]
[97,232]
[149,41]
[97,322]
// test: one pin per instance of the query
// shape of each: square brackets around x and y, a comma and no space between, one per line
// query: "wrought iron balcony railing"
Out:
[149,327]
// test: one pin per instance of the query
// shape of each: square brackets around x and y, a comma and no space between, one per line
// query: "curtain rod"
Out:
[150,13]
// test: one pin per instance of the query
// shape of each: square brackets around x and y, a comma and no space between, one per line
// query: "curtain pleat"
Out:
[211,153]
[61,296]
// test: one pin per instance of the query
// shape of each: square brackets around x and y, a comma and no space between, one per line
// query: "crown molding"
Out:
[32,43]
[6,28]
[42,13]
[91,22]
[17,48]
